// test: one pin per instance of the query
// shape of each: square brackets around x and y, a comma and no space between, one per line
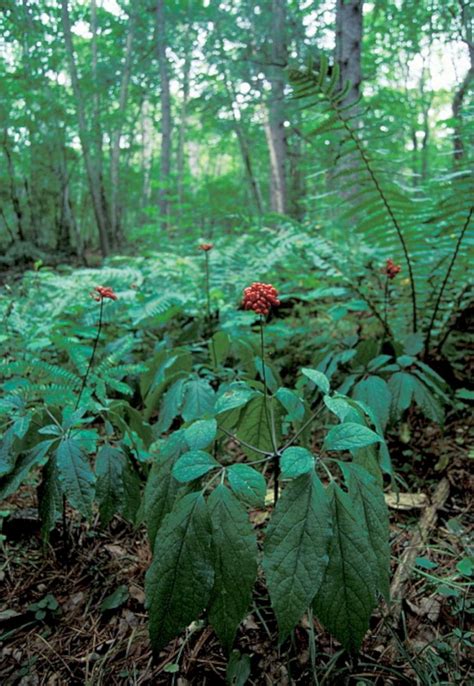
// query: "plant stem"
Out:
[86,375]
[385,303]
[270,418]
[208,294]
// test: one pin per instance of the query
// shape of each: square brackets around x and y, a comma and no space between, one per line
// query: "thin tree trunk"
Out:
[275,122]
[348,56]
[147,152]
[93,177]
[98,136]
[14,197]
[458,100]
[181,158]
[349,14]
[116,136]
[165,98]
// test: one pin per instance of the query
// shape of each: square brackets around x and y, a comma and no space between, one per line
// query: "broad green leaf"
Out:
[75,475]
[346,597]
[179,581]
[401,387]
[171,405]
[369,503]
[375,393]
[295,462]
[235,564]
[161,488]
[25,462]
[350,436]
[200,434]
[236,395]
[319,379]
[132,489]
[254,426]
[219,347]
[247,484]
[292,404]
[109,468]
[427,402]
[193,465]
[296,549]
[49,498]
[199,398]
[7,451]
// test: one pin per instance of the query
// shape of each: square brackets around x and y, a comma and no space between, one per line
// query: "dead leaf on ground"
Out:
[406,501]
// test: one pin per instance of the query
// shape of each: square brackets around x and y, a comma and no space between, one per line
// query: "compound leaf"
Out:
[296,549]
[235,564]
[346,597]
[179,581]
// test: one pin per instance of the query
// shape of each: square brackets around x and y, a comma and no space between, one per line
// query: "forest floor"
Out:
[83,621]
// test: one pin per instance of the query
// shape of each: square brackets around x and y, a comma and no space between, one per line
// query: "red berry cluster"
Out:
[206,246]
[101,292]
[260,297]
[391,269]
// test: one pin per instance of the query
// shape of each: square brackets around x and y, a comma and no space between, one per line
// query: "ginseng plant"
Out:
[325,548]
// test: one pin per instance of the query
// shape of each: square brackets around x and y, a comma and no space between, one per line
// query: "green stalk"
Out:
[94,348]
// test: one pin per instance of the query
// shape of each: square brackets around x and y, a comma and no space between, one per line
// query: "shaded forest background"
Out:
[130,123]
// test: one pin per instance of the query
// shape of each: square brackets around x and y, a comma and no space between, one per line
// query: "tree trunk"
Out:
[93,176]
[165,98]
[181,158]
[146,136]
[14,197]
[275,122]
[98,135]
[349,45]
[466,20]
[348,54]
[115,209]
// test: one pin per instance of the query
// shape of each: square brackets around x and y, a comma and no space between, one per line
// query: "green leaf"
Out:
[247,484]
[401,387]
[219,347]
[49,498]
[132,491]
[161,488]
[179,581]
[200,434]
[235,564]
[115,599]
[171,405]
[346,597]
[292,404]
[369,504]
[193,465]
[109,469]
[25,462]
[375,393]
[296,549]
[295,462]
[254,426]
[427,402]
[236,395]
[7,451]
[349,436]
[75,475]
[199,398]
[319,379]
